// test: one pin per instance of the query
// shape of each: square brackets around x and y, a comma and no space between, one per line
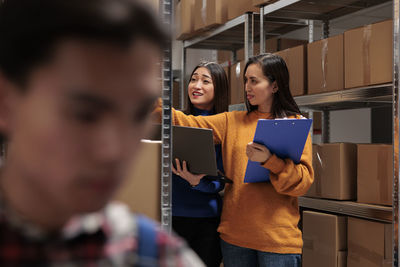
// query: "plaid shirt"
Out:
[106,238]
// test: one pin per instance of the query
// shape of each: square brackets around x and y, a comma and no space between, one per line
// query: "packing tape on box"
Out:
[204,12]
[357,252]
[366,58]
[324,57]
[382,174]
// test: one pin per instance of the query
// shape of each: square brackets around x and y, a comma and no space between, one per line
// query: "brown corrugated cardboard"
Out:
[224,56]
[184,11]
[240,52]
[325,65]
[239,7]
[335,171]
[210,13]
[273,45]
[263,2]
[237,86]
[375,174]
[369,55]
[325,240]
[228,75]
[295,59]
[369,243]
[141,188]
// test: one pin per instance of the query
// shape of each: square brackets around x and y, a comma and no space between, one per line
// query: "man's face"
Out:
[80,121]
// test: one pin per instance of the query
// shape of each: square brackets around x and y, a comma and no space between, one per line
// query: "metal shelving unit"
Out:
[372,96]
[166,12]
[233,35]
[378,213]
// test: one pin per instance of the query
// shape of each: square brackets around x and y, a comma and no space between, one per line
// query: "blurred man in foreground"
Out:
[77,83]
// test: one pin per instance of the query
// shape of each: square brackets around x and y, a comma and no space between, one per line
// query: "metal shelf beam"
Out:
[371,96]
[366,211]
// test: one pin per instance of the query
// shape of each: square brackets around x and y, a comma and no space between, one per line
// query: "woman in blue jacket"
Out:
[196,203]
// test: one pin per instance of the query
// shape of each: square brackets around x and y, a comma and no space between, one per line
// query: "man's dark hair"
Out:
[31,29]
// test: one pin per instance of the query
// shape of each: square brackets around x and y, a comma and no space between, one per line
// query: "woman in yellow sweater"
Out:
[259,220]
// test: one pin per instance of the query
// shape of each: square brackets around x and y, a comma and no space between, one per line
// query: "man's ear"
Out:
[8,96]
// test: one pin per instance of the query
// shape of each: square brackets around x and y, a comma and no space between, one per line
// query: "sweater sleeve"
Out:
[210,185]
[218,122]
[289,178]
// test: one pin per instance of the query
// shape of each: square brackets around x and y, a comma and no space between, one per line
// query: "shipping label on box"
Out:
[295,59]
[375,174]
[369,243]
[335,171]
[325,65]
[368,55]
[325,240]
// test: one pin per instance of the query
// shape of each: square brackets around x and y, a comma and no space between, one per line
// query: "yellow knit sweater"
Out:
[261,216]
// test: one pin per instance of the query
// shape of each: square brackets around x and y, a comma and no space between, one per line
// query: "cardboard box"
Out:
[259,3]
[273,45]
[335,171]
[184,11]
[141,188]
[375,174]
[325,240]
[325,65]
[368,243]
[240,7]
[210,13]
[224,56]
[295,59]
[236,84]
[368,55]
[240,52]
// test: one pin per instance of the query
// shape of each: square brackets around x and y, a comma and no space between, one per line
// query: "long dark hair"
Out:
[275,69]
[221,87]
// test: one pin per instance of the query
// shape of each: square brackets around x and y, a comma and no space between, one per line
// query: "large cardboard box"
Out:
[210,13]
[295,59]
[368,243]
[224,56]
[368,55]
[335,171]
[273,45]
[375,174]
[236,84]
[325,240]
[325,65]
[263,2]
[184,11]
[240,52]
[141,188]
[239,7]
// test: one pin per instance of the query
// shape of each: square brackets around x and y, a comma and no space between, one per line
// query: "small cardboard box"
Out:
[141,188]
[184,11]
[210,13]
[239,7]
[325,65]
[236,84]
[273,45]
[335,171]
[369,243]
[224,56]
[295,59]
[375,174]
[325,240]
[368,55]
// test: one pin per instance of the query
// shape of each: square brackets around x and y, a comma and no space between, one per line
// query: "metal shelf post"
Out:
[166,10]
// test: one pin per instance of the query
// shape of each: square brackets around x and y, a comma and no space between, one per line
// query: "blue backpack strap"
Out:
[147,239]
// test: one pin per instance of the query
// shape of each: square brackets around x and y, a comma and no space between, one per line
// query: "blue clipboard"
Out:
[284,137]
